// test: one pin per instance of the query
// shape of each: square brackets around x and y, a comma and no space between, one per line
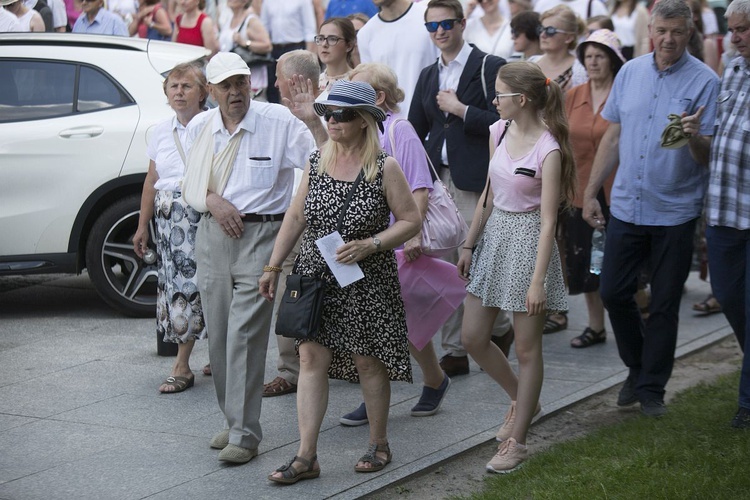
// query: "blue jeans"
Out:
[647,348]
[729,265]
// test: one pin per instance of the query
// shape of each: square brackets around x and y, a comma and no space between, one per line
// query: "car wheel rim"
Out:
[127,274]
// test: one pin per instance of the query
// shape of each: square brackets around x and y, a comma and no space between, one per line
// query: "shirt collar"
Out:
[248,122]
[461,58]
[675,67]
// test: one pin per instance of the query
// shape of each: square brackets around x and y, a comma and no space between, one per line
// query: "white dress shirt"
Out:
[449,76]
[274,144]
[163,151]
[289,21]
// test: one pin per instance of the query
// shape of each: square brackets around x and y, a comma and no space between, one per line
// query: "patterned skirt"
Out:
[503,264]
[179,314]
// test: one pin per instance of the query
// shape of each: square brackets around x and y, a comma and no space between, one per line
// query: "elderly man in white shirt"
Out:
[240,173]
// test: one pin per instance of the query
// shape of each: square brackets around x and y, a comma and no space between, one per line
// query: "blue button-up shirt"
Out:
[655,186]
[105,23]
[343,8]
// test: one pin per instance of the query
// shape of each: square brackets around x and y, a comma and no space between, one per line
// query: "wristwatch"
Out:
[376,240]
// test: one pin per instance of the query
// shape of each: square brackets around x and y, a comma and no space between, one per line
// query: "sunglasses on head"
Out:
[550,31]
[446,24]
[340,115]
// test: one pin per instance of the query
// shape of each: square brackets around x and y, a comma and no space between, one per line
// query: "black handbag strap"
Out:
[344,207]
[349,196]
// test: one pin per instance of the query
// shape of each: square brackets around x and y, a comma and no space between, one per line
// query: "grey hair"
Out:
[741,7]
[300,62]
[673,9]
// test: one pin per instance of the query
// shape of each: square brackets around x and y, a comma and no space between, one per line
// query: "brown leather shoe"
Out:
[505,341]
[455,365]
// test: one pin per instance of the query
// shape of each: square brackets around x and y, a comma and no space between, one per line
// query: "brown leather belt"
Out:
[262,217]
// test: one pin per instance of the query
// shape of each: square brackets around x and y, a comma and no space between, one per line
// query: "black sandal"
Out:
[588,338]
[552,326]
[370,458]
[290,475]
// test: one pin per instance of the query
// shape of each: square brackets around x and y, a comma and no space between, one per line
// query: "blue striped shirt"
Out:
[105,23]
[728,199]
[655,186]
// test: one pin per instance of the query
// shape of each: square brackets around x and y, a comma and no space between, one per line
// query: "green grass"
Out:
[691,453]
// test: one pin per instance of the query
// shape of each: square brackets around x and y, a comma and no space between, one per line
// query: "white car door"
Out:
[65,129]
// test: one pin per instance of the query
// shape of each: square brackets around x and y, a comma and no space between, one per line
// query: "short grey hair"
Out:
[300,62]
[673,9]
[741,7]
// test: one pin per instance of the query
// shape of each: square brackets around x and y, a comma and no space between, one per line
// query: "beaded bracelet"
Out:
[272,269]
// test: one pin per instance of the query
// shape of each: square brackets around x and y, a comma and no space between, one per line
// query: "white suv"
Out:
[75,111]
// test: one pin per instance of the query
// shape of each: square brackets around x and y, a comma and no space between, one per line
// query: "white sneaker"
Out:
[506,429]
[508,458]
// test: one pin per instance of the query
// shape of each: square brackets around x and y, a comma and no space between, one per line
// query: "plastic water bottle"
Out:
[597,251]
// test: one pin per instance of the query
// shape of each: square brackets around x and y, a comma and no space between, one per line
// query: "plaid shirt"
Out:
[728,199]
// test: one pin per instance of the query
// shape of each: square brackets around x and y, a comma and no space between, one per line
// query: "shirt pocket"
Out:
[678,105]
[260,171]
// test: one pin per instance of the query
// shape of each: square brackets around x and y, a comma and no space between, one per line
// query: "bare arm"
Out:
[210,37]
[536,297]
[413,247]
[607,158]
[37,24]
[404,209]
[477,226]
[258,36]
[301,105]
[162,24]
[140,239]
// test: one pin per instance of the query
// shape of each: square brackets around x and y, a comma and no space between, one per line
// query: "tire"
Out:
[123,280]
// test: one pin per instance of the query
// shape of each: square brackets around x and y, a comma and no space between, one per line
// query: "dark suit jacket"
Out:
[467,141]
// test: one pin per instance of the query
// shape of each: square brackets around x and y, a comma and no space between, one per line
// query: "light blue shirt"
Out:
[105,23]
[655,186]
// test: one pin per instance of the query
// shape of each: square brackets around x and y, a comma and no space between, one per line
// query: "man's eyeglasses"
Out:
[446,24]
[499,96]
[340,115]
[550,31]
[331,39]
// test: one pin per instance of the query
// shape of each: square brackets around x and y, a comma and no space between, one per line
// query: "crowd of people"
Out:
[543,121]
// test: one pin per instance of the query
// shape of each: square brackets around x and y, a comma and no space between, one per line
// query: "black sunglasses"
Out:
[340,115]
[550,31]
[446,24]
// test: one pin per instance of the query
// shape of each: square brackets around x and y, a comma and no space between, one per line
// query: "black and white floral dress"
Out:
[366,317]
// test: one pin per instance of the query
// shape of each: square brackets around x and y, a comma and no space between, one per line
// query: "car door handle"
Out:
[90,131]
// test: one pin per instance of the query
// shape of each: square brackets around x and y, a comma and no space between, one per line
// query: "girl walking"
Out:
[516,264]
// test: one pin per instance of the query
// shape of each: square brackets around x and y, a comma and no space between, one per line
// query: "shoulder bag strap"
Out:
[484,79]
[179,145]
[487,191]
[348,199]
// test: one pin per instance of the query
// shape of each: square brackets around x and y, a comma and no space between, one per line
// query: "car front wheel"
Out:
[123,279]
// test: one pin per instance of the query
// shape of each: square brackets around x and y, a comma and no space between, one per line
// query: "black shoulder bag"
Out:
[301,306]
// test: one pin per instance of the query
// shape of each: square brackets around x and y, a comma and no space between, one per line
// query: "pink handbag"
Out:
[443,229]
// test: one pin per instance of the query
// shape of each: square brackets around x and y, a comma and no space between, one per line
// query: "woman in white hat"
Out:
[28,19]
[362,336]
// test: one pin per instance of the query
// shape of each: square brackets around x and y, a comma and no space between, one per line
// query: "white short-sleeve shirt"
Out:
[274,144]
[162,149]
